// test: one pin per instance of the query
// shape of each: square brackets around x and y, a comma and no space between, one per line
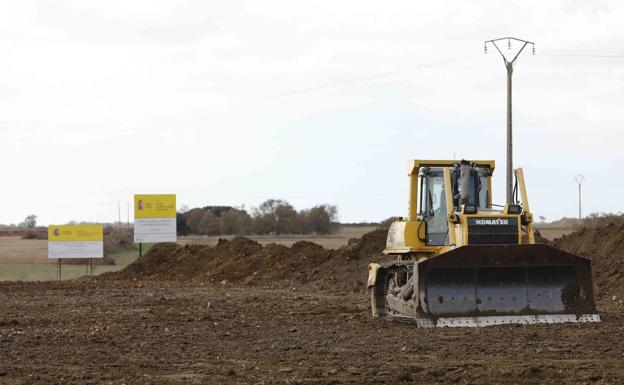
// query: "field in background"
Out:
[14,249]
[551,233]
[27,259]
[333,241]
[47,272]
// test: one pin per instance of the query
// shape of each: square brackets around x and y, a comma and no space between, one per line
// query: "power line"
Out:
[403,80]
[581,55]
[330,85]
[371,76]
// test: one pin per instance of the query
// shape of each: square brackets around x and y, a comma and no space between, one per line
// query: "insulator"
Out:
[485,47]
[508,44]
[533,50]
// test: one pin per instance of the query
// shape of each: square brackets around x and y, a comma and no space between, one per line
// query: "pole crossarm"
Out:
[511,62]
[509,38]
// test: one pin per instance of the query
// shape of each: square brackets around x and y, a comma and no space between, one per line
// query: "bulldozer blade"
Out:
[481,285]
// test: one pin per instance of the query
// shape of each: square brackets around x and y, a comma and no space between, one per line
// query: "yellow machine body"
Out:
[463,261]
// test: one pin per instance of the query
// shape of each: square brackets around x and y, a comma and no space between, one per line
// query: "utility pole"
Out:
[119,215]
[509,65]
[580,179]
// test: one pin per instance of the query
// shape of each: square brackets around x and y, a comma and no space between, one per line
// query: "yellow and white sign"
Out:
[154,218]
[75,241]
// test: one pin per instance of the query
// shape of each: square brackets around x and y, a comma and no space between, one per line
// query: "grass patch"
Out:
[48,271]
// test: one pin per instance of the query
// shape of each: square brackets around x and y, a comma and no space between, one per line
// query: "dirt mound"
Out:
[347,269]
[242,260]
[605,246]
[539,238]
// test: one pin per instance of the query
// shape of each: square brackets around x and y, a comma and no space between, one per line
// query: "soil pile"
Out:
[538,238]
[242,260]
[347,268]
[605,246]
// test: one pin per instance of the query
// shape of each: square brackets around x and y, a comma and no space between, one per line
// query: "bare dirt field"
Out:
[243,313]
[114,332]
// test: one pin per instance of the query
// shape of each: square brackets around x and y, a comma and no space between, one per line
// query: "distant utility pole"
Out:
[579,179]
[119,215]
[509,64]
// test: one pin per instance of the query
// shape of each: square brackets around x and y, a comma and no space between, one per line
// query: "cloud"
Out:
[180,33]
[232,102]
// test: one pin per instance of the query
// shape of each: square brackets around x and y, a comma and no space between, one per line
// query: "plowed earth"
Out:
[102,332]
[163,322]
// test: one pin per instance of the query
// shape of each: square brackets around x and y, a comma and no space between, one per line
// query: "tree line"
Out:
[274,216]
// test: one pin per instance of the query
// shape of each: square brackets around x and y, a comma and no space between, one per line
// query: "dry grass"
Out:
[18,250]
[16,269]
[27,260]
[47,272]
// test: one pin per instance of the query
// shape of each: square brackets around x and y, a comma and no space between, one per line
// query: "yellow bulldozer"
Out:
[463,261]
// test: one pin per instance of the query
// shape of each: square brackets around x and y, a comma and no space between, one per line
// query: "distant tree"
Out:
[183,209]
[320,219]
[29,222]
[276,216]
[209,224]
[181,226]
[192,218]
[236,222]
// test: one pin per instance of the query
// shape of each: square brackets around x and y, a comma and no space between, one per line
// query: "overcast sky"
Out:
[233,102]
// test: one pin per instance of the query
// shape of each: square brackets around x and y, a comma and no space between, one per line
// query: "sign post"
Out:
[75,241]
[154,219]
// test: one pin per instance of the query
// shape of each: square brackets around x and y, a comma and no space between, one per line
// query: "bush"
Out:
[35,234]
[596,220]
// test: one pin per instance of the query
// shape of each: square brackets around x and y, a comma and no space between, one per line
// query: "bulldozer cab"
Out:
[433,210]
